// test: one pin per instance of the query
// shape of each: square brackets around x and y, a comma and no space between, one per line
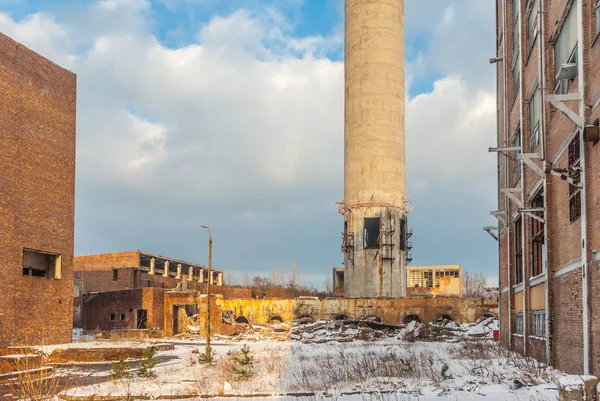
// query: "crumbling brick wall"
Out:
[37,193]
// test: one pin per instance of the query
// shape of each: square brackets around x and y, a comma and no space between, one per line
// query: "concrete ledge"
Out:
[577,388]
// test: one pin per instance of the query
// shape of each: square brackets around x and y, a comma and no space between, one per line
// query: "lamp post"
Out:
[208,354]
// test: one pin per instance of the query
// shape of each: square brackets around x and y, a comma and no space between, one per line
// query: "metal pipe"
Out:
[521,90]
[506,175]
[542,83]
[208,350]
[584,258]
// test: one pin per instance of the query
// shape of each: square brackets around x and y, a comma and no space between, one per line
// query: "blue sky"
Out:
[230,114]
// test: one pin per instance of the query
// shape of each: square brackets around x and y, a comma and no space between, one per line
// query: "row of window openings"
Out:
[425,278]
[538,323]
[115,275]
[565,47]
[113,316]
[538,261]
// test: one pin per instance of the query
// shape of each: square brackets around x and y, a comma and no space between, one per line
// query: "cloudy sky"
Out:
[229,113]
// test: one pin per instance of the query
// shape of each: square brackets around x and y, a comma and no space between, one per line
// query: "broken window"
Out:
[537,239]
[112,316]
[115,275]
[428,278]
[122,316]
[538,323]
[516,161]
[415,279]
[534,121]
[371,233]
[41,264]
[575,175]
[565,50]
[518,253]
[519,326]
[403,234]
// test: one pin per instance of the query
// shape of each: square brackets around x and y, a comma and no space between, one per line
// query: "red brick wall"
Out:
[37,193]
[99,306]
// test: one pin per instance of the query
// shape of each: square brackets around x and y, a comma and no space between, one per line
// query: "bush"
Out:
[209,359]
[147,363]
[120,369]
[243,363]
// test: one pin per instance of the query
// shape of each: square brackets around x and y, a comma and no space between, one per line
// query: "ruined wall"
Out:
[107,261]
[37,193]
[388,310]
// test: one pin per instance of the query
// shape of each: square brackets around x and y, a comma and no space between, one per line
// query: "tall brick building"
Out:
[37,197]
[548,53]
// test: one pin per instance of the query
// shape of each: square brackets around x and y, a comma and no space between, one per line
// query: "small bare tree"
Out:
[473,285]
[328,285]
[293,279]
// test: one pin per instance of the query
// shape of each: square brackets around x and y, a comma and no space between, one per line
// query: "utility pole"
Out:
[208,353]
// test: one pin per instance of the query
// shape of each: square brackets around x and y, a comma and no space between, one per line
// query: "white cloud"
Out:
[248,114]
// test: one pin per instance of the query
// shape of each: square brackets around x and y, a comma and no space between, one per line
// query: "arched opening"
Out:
[445,318]
[242,320]
[305,319]
[275,319]
[340,317]
[411,318]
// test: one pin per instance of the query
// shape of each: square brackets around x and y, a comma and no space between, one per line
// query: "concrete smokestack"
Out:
[374,150]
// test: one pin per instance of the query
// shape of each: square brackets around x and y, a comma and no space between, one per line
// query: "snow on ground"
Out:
[393,366]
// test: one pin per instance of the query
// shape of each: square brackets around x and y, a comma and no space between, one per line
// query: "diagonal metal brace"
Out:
[526,158]
[510,192]
[557,101]
[490,230]
[531,212]
[498,214]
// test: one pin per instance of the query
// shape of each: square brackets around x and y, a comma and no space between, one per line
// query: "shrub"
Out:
[147,363]
[243,363]
[120,369]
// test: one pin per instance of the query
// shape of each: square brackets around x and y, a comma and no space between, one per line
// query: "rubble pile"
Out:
[252,332]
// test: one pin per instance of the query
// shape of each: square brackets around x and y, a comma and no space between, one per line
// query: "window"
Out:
[532,24]
[519,326]
[420,278]
[115,275]
[518,252]
[597,7]
[446,273]
[371,233]
[112,316]
[565,48]
[516,161]
[537,239]
[41,264]
[538,323]
[122,316]
[516,63]
[428,278]
[575,174]
[534,121]
[403,234]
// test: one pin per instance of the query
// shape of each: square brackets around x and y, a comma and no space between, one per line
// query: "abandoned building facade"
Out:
[375,205]
[37,197]
[126,290]
[434,280]
[548,214]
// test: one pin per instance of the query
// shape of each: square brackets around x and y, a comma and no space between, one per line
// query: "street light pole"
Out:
[208,353]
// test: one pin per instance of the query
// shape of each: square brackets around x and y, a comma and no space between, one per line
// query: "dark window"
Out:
[112,316]
[41,264]
[537,238]
[516,153]
[142,318]
[115,275]
[575,175]
[519,326]
[371,233]
[403,234]
[538,323]
[518,252]
[122,316]
[534,121]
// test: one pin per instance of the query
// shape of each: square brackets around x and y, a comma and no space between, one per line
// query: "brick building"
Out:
[126,290]
[37,197]
[548,53]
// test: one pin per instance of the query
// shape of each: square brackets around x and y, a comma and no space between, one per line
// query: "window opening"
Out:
[538,323]
[41,264]
[371,233]
[518,252]
[115,275]
[575,175]
[537,239]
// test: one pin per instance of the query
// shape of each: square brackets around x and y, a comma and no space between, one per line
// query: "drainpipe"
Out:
[524,302]
[541,61]
[584,258]
[506,175]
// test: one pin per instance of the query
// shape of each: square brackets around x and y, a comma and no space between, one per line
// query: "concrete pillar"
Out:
[576,388]
[152,266]
[211,278]
[178,271]
[166,272]
[191,273]
[374,147]
[201,278]
[220,280]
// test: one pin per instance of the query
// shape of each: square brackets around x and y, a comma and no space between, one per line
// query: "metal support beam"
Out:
[510,192]
[526,158]
[573,116]
[531,212]
[566,178]
[498,215]
[509,149]
[490,230]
